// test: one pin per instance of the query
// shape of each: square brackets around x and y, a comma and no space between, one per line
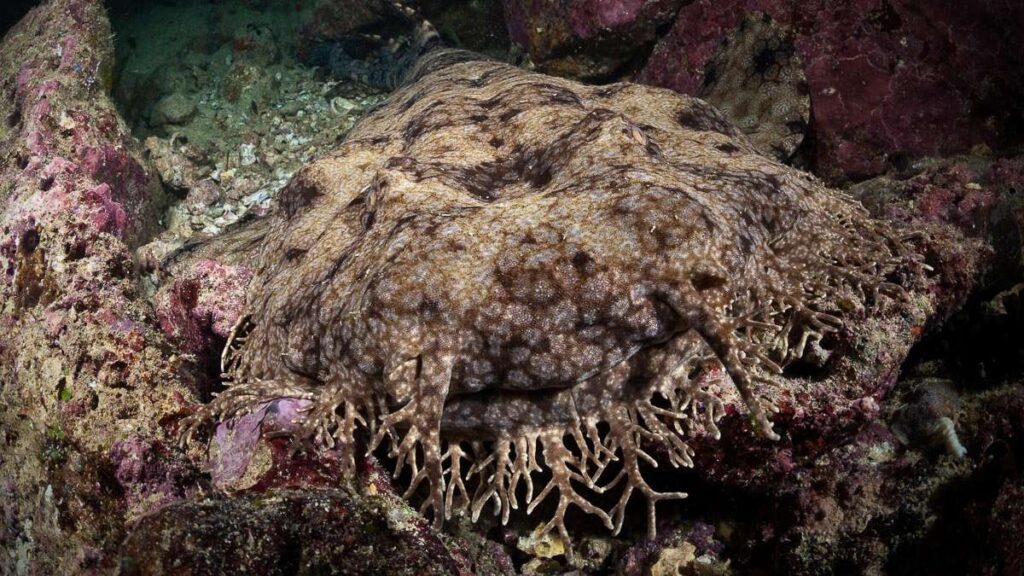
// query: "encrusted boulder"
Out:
[85,375]
[586,39]
[887,79]
[307,531]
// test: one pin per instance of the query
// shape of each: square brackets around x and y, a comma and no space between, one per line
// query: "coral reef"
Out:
[103,355]
[214,535]
[887,79]
[89,384]
[85,376]
[198,309]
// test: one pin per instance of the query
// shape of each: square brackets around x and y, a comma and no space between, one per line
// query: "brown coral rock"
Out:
[515,278]
[85,376]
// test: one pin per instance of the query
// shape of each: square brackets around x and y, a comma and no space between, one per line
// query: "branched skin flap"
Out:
[516,282]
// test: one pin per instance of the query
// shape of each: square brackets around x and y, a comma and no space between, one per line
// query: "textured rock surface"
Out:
[198,309]
[90,387]
[173,109]
[887,79]
[853,498]
[304,532]
[334,20]
[586,39]
[85,376]
[980,197]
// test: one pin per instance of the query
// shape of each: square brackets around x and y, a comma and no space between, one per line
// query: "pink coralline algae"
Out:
[953,195]
[888,79]
[202,304]
[149,474]
[977,196]
[106,214]
[236,443]
[588,17]
[67,139]
[82,363]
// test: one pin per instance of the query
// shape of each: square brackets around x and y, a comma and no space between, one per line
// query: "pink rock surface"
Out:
[887,78]
[150,474]
[202,304]
[86,378]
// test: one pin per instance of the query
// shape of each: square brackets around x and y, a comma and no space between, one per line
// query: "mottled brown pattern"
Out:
[512,278]
[757,80]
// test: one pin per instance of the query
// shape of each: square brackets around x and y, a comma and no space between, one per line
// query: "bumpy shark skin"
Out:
[511,278]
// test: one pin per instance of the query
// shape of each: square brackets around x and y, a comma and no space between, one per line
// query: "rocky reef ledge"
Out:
[95,378]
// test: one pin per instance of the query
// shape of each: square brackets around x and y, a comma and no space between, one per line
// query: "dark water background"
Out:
[12,11]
